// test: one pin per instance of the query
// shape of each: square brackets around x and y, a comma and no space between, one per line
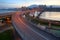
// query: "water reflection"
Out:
[51,15]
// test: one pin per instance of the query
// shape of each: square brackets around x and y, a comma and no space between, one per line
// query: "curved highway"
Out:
[29,31]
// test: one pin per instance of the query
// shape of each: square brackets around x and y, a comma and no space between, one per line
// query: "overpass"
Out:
[29,31]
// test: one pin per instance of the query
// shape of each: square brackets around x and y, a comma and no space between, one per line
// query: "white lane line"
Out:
[32,29]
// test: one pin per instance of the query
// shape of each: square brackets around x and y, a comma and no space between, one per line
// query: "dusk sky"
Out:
[20,3]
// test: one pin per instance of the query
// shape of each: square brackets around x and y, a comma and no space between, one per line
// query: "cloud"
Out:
[19,3]
[52,2]
[48,2]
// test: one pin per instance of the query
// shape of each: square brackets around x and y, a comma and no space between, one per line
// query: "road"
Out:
[29,31]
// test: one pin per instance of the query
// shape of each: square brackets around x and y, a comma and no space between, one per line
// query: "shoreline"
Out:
[7,13]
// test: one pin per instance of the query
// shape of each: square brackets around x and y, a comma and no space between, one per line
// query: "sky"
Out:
[20,3]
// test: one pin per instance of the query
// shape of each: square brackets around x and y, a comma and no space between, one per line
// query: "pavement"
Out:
[29,31]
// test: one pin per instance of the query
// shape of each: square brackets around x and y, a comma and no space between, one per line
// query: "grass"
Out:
[36,21]
[7,35]
[52,25]
[55,26]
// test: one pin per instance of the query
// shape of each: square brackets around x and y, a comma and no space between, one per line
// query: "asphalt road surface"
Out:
[29,31]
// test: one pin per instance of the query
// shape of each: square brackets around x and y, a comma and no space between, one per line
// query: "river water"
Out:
[5,11]
[51,15]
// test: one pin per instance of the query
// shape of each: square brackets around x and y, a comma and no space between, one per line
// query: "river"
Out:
[5,11]
[51,15]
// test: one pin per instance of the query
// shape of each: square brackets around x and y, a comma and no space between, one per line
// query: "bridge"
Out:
[27,30]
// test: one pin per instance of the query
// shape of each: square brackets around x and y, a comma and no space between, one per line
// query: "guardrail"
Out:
[32,33]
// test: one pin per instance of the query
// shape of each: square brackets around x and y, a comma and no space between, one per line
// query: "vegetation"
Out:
[37,21]
[7,35]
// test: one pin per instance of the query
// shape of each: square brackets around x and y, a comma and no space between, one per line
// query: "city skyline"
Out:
[20,3]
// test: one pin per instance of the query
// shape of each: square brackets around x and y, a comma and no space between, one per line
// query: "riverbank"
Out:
[50,26]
